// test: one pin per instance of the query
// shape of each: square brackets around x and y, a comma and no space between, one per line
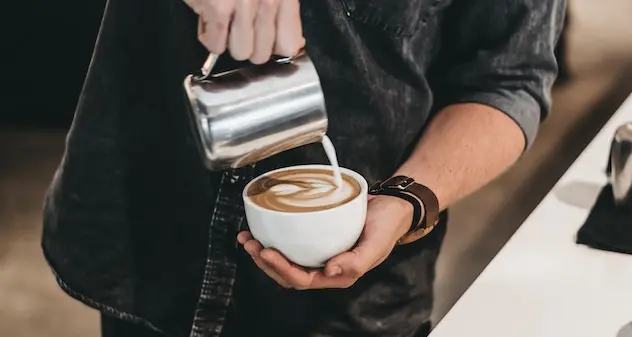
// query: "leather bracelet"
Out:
[424,202]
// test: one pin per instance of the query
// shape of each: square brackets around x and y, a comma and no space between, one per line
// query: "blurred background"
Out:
[46,51]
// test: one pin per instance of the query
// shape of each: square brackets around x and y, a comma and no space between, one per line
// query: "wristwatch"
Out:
[424,201]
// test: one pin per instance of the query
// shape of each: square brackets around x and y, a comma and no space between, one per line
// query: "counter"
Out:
[543,284]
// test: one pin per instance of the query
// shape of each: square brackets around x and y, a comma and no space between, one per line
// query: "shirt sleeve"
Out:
[500,54]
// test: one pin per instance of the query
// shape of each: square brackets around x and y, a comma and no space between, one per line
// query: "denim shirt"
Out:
[136,227]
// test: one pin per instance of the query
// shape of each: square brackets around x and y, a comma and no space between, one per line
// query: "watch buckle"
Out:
[376,188]
[398,182]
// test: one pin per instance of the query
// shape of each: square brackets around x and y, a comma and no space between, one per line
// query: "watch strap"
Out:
[418,207]
[424,201]
[431,213]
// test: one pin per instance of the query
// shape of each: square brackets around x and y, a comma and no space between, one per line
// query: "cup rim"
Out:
[364,187]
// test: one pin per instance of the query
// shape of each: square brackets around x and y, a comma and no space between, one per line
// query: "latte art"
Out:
[302,190]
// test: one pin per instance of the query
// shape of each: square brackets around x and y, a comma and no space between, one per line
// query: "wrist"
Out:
[400,211]
[426,176]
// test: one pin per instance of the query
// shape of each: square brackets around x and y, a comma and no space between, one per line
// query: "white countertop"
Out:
[542,283]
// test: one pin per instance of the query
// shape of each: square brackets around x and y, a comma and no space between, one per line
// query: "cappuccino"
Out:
[300,190]
[300,212]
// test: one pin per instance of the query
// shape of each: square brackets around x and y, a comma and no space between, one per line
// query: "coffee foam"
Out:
[302,190]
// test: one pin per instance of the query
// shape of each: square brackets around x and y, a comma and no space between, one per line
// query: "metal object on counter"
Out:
[621,164]
[249,114]
[626,331]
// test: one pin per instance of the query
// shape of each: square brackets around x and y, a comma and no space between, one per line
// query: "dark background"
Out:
[46,50]
[47,46]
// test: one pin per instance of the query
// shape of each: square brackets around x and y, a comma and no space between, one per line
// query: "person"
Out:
[447,92]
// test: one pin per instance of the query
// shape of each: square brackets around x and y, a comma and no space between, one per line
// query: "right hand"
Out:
[250,29]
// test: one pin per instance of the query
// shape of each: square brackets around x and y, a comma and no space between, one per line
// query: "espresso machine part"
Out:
[249,114]
[621,164]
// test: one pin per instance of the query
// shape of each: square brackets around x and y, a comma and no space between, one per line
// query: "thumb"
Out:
[358,261]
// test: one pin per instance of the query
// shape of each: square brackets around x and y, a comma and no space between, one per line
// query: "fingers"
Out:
[196,5]
[302,279]
[265,30]
[294,275]
[289,39]
[243,237]
[250,29]
[274,264]
[254,248]
[370,251]
[342,271]
[216,18]
[286,273]
[242,35]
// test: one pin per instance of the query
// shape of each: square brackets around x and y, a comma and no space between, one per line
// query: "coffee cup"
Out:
[300,212]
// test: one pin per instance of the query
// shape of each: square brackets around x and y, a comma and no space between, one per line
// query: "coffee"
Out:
[300,190]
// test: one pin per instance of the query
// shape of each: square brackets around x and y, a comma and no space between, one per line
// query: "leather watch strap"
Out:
[424,201]
[431,213]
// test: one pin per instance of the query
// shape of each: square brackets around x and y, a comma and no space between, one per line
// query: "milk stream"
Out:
[330,150]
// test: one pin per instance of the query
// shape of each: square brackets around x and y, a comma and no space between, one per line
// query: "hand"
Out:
[388,218]
[250,29]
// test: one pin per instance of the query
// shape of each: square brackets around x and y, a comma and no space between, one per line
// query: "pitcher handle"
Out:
[212,58]
[208,65]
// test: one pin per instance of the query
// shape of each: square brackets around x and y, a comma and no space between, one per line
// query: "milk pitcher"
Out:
[245,115]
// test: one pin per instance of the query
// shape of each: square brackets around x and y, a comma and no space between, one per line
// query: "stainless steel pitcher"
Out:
[249,114]
[621,164]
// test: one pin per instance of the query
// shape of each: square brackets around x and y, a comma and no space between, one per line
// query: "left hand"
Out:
[388,218]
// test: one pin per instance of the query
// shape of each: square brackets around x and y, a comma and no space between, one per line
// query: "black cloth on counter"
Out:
[608,227]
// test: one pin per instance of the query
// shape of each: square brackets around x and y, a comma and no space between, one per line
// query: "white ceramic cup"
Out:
[309,239]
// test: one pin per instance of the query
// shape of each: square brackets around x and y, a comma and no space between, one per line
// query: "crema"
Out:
[302,190]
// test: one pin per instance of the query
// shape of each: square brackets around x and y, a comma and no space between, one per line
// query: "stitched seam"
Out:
[394,31]
[98,305]
[195,330]
[220,269]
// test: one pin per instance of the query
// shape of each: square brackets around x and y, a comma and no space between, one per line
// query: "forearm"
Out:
[464,147]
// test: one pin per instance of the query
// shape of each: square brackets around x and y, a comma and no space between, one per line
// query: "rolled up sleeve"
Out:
[500,54]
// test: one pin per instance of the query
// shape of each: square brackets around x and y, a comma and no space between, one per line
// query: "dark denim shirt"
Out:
[136,227]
